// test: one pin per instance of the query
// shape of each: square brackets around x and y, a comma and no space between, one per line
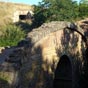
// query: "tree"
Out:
[40,16]
[84,1]
[54,10]
[83,8]
[61,9]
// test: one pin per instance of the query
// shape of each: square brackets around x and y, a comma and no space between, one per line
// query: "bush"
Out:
[11,35]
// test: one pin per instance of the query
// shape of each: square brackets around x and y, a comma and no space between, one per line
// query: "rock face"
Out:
[35,61]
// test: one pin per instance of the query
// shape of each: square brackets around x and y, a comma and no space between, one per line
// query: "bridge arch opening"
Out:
[63,73]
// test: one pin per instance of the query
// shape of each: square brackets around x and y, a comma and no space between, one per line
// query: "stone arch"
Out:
[63,73]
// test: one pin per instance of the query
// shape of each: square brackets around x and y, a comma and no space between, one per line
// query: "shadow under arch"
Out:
[63,73]
[84,75]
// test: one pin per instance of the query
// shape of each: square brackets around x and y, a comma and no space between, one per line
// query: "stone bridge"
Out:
[42,50]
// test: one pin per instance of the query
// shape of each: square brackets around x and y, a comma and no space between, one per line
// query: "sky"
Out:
[30,2]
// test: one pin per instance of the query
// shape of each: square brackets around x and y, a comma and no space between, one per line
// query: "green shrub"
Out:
[11,35]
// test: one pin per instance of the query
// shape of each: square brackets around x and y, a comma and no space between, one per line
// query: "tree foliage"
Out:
[84,1]
[59,10]
[83,8]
